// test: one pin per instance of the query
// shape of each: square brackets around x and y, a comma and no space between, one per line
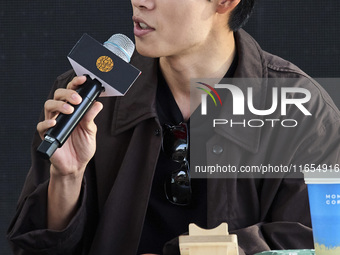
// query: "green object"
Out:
[287,252]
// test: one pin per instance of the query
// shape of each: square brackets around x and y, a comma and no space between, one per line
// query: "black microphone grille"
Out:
[121,45]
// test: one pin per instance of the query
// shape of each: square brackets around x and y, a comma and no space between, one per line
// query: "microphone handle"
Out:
[56,136]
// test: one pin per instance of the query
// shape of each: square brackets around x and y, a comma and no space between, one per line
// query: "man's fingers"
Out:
[93,112]
[53,108]
[67,95]
[74,84]
[64,99]
[43,126]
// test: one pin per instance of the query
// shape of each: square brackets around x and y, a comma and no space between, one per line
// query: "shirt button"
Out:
[157,132]
[217,149]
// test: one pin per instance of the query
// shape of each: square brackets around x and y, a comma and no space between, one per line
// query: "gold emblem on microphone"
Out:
[104,64]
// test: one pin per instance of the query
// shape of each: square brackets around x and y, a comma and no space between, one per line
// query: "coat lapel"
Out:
[139,103]
[251,72]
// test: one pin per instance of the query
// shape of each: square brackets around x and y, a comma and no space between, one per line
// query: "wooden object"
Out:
[215,241]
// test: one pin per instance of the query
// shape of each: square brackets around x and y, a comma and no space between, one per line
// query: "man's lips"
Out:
[141,27]
[141,23]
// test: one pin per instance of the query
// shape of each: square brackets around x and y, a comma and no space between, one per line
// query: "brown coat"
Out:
[264,213]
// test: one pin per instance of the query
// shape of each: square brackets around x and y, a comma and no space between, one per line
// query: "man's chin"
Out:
[147,53]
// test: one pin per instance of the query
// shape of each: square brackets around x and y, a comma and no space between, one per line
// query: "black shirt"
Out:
[164,220]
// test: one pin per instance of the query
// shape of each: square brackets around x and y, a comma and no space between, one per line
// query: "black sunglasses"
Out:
[177,186]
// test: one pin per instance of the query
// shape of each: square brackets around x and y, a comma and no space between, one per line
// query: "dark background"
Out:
[36,36]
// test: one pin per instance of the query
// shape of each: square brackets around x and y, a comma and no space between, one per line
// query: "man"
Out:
[104,190]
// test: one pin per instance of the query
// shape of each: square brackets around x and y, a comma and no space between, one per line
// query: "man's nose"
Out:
[143,4]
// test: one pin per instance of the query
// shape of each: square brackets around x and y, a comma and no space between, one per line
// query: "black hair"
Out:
[240,15]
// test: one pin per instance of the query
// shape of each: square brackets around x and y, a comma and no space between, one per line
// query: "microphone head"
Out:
[120,45]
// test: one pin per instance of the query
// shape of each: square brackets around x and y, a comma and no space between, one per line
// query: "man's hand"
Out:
[68,163]
[73,156]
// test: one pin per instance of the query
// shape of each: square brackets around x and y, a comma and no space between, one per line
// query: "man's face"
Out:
[172,27]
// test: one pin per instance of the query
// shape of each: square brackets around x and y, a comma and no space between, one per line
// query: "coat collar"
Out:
[140,101]
[252,72]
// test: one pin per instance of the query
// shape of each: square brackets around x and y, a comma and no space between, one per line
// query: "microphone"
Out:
[81,57]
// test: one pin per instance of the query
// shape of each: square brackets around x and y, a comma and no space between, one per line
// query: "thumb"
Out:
[92,113]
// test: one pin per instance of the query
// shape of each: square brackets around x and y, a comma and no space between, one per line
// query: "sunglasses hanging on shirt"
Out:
[177,185]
